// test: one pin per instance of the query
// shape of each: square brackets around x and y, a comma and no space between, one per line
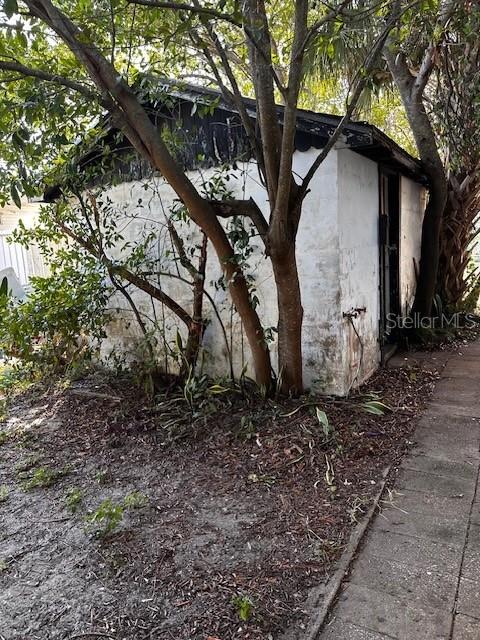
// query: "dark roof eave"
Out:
[360,136]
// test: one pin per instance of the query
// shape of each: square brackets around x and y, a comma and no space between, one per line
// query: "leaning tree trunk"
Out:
[457,235]
[129,115]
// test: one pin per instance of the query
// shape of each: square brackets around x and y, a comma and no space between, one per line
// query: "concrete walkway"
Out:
[417,576]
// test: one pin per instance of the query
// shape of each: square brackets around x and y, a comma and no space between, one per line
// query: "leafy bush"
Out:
[135,500]
[470,303]
[54,324]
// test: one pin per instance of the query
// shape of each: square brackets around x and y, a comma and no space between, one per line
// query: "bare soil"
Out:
[234,509]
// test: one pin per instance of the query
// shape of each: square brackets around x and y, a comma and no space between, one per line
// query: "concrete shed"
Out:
[358,244]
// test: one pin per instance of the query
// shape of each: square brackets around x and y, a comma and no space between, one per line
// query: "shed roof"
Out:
[314,130]
[217,136]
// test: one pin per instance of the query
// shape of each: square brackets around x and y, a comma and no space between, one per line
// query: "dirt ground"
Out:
[213,518]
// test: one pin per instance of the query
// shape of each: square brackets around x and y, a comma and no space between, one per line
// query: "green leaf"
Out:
[4,288]
[179,342]
[327,428]
[376,407]
[15,196]
[322,417]
[10,7]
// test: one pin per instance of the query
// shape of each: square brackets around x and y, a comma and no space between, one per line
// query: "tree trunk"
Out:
[430,248]
[411,88]
[197,327]
[290,317]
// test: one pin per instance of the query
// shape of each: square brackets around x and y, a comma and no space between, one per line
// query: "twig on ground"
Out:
[92,634]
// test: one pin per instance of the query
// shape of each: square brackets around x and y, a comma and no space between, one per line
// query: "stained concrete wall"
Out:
[358,204]
[338,265]
[318,266]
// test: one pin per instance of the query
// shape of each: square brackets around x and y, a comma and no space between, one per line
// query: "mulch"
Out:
[249,502]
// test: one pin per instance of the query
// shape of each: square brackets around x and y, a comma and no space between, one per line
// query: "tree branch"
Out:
[248,208]
[5,65]
[445,12]
[212,13]
[234,97]
[181,6]
[280,215]
[364,73]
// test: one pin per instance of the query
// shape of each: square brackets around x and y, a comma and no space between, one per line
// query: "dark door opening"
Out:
[389,243]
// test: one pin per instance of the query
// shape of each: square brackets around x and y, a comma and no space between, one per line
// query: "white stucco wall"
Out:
[318,266]
[338,263]
[358,203]
[412,208]
[318,270]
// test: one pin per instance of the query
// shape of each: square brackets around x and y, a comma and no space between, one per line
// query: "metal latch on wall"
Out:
[354,312]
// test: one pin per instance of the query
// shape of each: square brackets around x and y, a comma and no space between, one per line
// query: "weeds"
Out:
[135,500]
[323,420]
[15,378]
[28,463]
[106,518]
[25,437]
[330,434]
[73,499]
[243,606]
[193,405]
[247,429]
[325,550]
[103,477]
[356,509]
[328,429]
[109,515]
[374,405]
[4,493]
[41,478]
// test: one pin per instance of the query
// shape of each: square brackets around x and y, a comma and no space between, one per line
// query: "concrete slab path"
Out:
[417,575]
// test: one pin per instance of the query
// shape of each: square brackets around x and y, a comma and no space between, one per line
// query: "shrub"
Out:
[54,325]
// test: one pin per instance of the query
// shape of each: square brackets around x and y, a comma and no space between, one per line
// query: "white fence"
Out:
[25,262]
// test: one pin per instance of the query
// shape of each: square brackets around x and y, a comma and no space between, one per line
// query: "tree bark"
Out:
[430,248]
[412,87]
[197,327]
[290,319]
[457,235]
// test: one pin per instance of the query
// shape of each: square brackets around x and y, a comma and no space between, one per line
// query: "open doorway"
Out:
[389,242]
